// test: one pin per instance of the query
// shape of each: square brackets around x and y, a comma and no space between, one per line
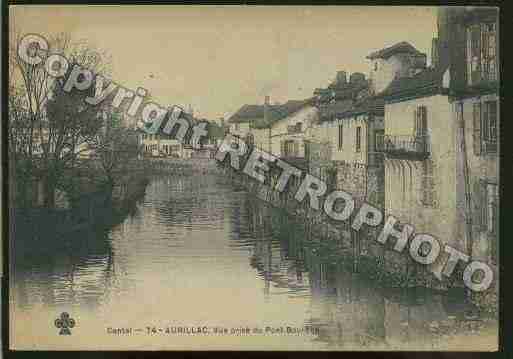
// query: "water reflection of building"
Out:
[350,310]
[276,256]
[354,313]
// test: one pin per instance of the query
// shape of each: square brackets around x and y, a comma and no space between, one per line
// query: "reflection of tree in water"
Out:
[69,271]
[351,311]
[70,268]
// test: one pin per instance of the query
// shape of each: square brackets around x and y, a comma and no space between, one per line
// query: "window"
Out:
[428,184]
[288,148]
[375,66]
[358,138]
[420,128]
[489,123]
[485,127]
[489,214]
[250,140]
[481,53]
[296,149]
[379,137]
[420,125]
[340,136]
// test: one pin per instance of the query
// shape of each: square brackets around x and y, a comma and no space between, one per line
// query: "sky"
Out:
[218,58]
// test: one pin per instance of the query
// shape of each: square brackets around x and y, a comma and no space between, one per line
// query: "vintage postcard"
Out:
[253,177]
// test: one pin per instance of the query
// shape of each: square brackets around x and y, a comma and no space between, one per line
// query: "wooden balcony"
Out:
[405,147]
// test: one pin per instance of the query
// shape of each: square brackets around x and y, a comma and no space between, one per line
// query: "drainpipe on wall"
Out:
[466,179]
[468,198]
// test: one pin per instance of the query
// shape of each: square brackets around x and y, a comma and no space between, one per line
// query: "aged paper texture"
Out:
[253,178]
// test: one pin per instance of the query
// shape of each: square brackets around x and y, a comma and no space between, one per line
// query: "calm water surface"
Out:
[193,254]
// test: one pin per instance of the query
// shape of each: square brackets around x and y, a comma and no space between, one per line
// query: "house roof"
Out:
[247,113]
[401,47]
[255,113]
[340,92]
[190,118]
[371,105]
[425,83]
[215,131]
[335,109]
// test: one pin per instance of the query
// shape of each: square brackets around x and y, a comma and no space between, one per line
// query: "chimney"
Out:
[356,77]
[434,52]
[341,77]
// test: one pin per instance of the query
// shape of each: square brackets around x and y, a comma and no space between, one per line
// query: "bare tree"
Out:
[48,127]
[114,146]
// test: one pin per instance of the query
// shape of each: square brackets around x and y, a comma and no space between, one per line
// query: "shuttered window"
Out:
[488,213]
[428,184]
[358,138]
[488,53]
[289,148]
[474,54]
[485,124]
[420,129]
[379,140]
[489,127]
[420,126]
[477,128]
[340,136]
[481,53]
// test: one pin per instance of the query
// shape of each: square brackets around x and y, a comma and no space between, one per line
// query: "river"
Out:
[194,255]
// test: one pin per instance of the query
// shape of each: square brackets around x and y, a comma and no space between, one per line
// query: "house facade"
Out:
[289,133]
[420,147]
[277,129]
[343,144]
[441,137]
[162,144]
[471,37]
[399,60]
[250,123]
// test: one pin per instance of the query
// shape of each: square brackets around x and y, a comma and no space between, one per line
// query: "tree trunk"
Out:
[49,191]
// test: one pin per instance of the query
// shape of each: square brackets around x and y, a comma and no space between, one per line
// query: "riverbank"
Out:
[357,251]
[214,252]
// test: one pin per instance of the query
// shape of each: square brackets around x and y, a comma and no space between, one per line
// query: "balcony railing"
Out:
[407,147]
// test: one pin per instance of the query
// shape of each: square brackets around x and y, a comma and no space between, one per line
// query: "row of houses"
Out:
[419,141]
[166,145]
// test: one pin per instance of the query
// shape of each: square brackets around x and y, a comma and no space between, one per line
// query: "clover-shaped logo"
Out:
[64,323]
